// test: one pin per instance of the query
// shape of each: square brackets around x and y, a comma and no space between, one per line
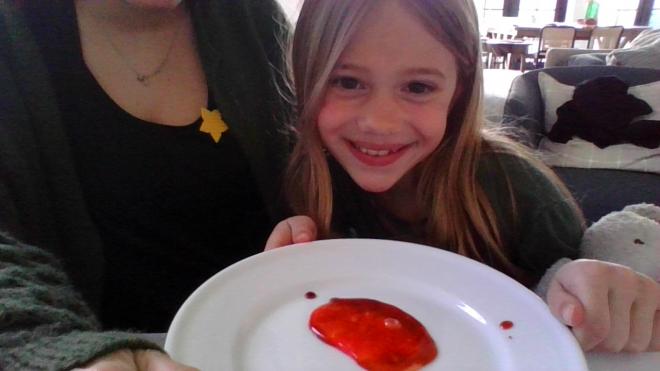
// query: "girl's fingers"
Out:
[292,230]
[643,315]
[150,360]
[564,305]
[588,281]
[303,228]
[138,360]
[654,346]
[581,288]
[621,299]
[120,360]
[280,236]
[620,306]
[596,325]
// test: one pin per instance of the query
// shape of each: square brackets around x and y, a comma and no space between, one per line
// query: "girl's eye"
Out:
[347,83]
[419,88]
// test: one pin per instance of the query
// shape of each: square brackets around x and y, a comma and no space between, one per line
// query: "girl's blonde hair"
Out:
[459,215]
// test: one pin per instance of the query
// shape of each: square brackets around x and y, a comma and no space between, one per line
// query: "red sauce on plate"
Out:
[379,336]
[506,325]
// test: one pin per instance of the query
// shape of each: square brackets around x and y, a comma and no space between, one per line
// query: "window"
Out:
[489,11]
[655,17]
[537,11]
[647,13]
[613,12]
[629,12]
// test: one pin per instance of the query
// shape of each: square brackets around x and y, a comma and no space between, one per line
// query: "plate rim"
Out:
[248,264]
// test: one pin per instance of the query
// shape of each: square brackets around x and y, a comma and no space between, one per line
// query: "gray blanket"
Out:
[643,52]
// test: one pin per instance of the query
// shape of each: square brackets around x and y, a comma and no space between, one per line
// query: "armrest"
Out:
[556,57]
[523,109]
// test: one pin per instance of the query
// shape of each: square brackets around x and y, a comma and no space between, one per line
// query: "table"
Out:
[596,361]
[582,32]
[510,50]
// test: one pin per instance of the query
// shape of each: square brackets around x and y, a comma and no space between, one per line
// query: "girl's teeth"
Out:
[372,152]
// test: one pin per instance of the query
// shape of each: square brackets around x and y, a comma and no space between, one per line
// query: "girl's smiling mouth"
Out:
[377,154]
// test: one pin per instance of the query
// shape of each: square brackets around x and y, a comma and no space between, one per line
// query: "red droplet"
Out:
[377,335]
[506,325]
[310,295]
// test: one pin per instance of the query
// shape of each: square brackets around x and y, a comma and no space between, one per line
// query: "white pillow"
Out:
[581,153]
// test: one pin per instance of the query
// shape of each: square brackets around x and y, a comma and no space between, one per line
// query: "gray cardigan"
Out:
[44,321]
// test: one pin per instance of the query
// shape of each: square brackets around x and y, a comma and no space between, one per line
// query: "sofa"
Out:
[597,190]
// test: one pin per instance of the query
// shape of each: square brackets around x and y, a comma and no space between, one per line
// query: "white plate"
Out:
[253,316]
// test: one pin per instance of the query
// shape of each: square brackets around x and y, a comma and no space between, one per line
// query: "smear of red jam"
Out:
[506,325]
[379,336]
[310,295]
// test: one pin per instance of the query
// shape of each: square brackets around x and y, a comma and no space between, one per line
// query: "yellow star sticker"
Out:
[213,124]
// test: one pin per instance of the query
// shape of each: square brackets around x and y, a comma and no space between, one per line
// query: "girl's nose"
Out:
[379,115]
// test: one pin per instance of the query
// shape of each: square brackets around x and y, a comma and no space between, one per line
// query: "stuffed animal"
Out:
[602,112]
[629,237]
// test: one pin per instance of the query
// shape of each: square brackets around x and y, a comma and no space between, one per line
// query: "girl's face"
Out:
[388,97]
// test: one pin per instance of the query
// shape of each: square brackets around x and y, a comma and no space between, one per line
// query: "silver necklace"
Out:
[143,78]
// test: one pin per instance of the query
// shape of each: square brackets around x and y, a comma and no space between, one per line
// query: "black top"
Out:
[172,206]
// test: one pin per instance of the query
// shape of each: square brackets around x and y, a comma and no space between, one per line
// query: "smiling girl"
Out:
[392,145]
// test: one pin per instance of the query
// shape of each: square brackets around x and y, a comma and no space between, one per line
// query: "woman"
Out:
[139,145]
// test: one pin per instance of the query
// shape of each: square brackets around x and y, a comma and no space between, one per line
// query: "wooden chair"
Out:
[553,37]
[605,37]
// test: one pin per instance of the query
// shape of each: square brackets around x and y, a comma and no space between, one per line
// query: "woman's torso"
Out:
[171,205]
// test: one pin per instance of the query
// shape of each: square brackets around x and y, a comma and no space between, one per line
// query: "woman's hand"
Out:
[296,229]
[610,307]
[136,360]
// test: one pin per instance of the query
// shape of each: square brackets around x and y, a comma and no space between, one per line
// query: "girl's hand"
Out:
[296,229]
[610,307]
[135,360]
